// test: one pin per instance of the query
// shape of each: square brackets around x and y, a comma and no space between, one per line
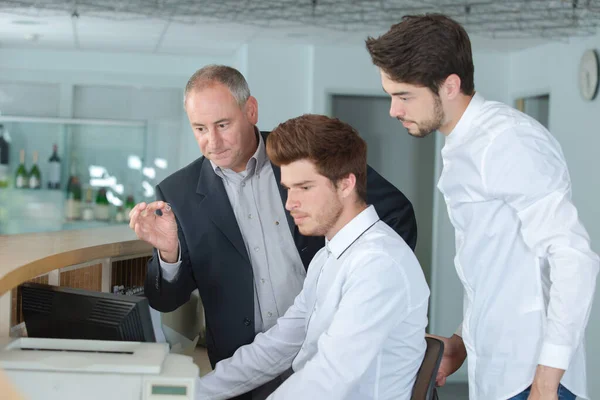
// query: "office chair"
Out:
[424,388]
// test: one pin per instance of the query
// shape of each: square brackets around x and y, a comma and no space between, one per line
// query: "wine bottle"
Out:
[21,178]
[87,213]
[73,203]
[120,215]
[129,204]
[35,177]
[54,169]
[4,157]
[102,209]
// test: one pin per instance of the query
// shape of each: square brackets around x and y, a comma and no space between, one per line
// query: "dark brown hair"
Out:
[424,50]
[333,146]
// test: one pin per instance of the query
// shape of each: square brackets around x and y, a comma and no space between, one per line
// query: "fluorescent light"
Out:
[97,171]
[149,172]
[110,196]
[119,188]
[161,163]
[134,162]
[148,189]
[103,182]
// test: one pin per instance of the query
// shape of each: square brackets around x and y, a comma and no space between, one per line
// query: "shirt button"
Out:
[249,216]
[269,314]
[243,184]
[263,280]
[247,321]
[276,222]
[256,249]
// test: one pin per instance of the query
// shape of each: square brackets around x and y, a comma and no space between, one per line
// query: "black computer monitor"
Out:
[67,313]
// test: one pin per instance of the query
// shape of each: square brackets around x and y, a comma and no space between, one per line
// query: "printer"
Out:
[66,369]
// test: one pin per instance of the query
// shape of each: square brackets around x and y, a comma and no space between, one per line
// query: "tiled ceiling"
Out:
[221,27]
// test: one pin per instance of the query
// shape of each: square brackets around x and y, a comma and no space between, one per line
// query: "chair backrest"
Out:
[424,388]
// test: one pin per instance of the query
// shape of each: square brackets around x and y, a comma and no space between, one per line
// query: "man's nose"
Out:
[214,139]
[291,202]
[396,110]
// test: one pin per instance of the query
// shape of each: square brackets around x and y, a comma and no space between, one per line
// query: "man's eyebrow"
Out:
[303,183]
[401,93]
[216,122]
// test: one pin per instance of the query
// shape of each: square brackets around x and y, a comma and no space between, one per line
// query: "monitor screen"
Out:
[66,313]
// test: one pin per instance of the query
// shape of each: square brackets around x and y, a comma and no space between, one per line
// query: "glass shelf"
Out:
[101,153]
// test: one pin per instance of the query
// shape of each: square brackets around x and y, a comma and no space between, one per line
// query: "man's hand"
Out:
[545,384]
[159,231]
[454,356]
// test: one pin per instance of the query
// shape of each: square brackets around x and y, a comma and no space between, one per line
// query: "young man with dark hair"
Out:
[523,256]
[357,328]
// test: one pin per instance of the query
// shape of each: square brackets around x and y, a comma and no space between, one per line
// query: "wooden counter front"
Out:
[23,257]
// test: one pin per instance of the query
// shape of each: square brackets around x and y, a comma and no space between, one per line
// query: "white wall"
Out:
[279,77]
[342,70]
[574,122]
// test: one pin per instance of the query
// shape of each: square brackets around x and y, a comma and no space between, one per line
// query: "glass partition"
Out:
[89,173]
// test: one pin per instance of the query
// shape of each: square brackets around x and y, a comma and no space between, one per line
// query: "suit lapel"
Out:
[217,206]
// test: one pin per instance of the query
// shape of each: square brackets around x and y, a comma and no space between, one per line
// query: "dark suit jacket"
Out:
[214,257]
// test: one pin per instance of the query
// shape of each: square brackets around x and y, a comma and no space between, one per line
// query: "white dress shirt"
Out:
[355,331]
[522,254]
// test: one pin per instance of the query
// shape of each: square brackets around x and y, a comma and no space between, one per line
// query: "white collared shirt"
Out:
[522,254]
[355,331]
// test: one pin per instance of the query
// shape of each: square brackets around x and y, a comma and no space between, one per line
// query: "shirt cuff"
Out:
[555,355]
[170,270]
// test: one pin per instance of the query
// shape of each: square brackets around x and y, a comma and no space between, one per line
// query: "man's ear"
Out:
[252,110]
[451,87]
[347,184]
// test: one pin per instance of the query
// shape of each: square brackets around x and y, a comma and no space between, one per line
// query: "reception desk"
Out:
[92,259]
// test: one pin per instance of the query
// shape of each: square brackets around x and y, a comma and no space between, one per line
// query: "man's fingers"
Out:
[133,217]
[136,208]
[140,230]
[440,381]
[155,205]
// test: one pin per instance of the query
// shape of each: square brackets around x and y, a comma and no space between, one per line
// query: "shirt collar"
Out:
[255,163]
[352,231]
[463,126]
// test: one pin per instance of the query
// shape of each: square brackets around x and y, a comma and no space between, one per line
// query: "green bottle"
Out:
[21,178]
[73,202]
[4,157]
[129,204]
[35,177]
[102,209]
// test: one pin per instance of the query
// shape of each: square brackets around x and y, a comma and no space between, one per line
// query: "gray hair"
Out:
[228,76]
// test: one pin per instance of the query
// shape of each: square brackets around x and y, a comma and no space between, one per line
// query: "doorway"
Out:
[537,107]
[405,161]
